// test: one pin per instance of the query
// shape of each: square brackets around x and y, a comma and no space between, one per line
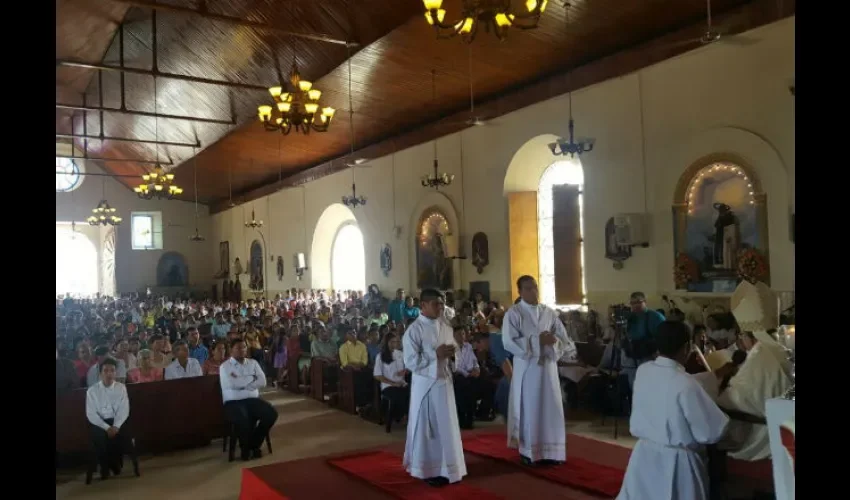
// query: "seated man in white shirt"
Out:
[93,375]
[466,379]
[241,380]
[183,366]
[107,409]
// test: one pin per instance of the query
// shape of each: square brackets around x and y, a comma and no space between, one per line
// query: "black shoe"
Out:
[246,455]
[437,482]
[524,460]
[256,453]
[549,462]
[116,469]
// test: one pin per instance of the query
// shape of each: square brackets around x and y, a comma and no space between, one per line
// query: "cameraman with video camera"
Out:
[641,326]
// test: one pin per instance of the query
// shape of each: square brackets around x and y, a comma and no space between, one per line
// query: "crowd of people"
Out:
[524,363]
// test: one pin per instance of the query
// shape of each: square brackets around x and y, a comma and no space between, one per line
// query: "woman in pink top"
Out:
[146,372]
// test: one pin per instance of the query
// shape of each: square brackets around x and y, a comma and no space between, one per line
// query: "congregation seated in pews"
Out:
[345,349]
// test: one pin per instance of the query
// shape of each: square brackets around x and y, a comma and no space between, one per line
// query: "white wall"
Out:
[135,269]
[716,99]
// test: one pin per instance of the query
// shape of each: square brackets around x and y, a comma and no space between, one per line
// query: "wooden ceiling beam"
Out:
[204,13]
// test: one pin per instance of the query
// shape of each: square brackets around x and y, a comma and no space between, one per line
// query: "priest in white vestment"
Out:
[764,375]
[534,334]
[673,418]
[433,450]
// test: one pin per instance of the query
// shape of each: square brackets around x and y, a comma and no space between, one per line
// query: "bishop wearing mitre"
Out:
[765,374]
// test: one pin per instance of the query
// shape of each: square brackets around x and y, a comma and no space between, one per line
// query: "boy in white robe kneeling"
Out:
[673,418]
[433,450]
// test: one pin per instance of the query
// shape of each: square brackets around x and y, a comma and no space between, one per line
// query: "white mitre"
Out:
[756,308]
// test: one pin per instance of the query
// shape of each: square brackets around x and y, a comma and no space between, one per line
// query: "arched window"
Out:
[67,175]
[76,264]
[348,259]
[560,226]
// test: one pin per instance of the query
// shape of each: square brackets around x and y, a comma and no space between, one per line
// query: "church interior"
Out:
[278,171]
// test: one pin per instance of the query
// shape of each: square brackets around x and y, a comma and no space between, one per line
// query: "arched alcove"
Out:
[760,161]
[528,164]
[332,219]
[256,266]
[435,202]
[76,263]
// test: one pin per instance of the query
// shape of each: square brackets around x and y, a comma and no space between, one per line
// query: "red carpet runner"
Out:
[254,488]
[383,470]
[575,473]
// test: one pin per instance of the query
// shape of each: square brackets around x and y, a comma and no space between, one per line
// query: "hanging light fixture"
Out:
[297,107]
[104,214]
[197,236]
[254,223]
[437,179]
[159,183]
[497,16]
[352,201]
[571,148]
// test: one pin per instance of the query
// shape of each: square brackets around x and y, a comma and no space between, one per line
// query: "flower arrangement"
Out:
[752,265]
[685,270]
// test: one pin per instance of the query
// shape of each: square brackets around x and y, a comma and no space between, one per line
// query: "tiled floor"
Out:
[305,428]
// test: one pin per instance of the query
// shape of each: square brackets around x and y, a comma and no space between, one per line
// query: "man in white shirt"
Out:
[433,450]
[241,379]
[183,366]
[534,334]
[107,409]
[673,418]
[466,379]
[93,375]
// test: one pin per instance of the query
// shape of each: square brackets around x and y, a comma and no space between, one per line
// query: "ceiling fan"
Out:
[474,120]
[715,34]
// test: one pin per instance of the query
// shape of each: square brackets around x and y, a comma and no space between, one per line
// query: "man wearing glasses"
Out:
[641,328]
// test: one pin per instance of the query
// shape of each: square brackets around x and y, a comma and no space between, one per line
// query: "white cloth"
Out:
[391,370]
[761,377]
[433,447]
[93,375]
[240,380]
[672,417]
[107,402]
[535,408]
[175,371]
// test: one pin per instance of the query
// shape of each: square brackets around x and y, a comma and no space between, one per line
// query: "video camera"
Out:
[618,314]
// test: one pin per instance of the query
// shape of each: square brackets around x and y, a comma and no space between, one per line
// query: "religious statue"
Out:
[386,259]
[237,267]
[727,237]
[480,252]
[279,268]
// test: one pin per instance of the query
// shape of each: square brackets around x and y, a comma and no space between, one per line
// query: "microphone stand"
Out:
[616,368]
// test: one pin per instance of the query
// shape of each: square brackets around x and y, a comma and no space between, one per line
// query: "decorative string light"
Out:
[714,168]
[434,219]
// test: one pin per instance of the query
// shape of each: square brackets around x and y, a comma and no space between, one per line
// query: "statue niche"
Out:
[719,214]
[433,265]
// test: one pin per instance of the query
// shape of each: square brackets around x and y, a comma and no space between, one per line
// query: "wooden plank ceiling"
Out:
[391,75]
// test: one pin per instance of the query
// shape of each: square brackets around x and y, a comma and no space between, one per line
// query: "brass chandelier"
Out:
[104,214]
[497,16]
[297,107]
[158,184]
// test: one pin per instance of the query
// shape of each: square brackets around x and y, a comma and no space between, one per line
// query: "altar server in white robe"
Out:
[433,451]
[673,417]
[534,334]
[764,375]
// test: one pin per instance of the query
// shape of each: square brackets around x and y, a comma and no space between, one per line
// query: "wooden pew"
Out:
[164,416]
[292,374]
[345,401]
[317,379]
